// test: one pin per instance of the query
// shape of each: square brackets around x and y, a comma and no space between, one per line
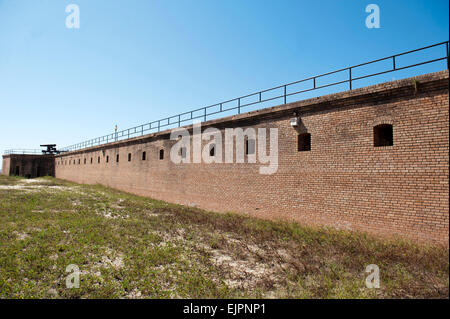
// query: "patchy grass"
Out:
[128,246]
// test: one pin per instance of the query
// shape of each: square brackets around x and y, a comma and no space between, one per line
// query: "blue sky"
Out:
[136,61]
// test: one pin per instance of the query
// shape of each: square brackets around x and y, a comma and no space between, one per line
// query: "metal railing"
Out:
[207,111]
[24,152]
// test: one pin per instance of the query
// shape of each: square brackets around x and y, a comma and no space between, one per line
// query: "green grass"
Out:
[128,246]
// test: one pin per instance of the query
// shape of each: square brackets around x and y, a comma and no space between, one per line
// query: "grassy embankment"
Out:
[128,246]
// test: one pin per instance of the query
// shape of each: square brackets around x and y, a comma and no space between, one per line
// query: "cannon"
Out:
[51,149]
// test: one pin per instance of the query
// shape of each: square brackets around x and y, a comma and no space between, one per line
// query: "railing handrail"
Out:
[23,151]
[178,120]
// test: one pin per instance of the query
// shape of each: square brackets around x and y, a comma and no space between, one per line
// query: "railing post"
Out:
[350,77]
[239,105]
[204,116]
[179,120]
[446,52]
[159,125]
[285,94]
[393,63]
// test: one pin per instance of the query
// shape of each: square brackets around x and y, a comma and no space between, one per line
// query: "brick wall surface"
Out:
[343,181]
[28,165]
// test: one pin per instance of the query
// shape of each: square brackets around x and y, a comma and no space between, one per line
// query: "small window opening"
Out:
[212,150]
[117,158]
[250,146]
[92,160]
[79,161]
[304,142]
[98,160]
[84,161]
[161,154]
[107,158]
[144,156]
[129,157]
[383,135]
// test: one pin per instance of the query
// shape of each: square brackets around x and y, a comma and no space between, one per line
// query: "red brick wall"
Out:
[343,182]
[29,165]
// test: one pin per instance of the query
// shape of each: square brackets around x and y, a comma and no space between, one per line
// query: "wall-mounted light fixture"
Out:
[294,120]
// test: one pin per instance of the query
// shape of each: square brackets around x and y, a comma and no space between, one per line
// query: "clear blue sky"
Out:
[135,61]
